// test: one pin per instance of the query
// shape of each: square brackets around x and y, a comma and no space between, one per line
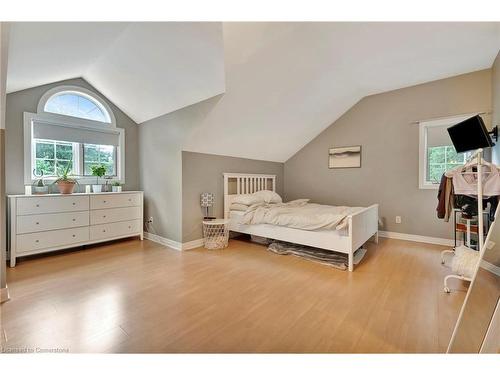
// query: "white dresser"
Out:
[42,223]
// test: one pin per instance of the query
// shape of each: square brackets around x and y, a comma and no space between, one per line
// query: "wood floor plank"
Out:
[141,297]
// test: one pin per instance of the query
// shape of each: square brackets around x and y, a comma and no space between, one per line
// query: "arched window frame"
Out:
[96,99]
[72,122]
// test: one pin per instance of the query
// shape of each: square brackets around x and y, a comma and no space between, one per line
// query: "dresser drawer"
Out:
[101,201]
[43,222]
[45,205]
[54,238]
[112,215]
[111,230]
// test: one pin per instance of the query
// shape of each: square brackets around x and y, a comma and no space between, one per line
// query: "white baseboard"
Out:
[179,246]
[192,244]
[417,238]
[4,295]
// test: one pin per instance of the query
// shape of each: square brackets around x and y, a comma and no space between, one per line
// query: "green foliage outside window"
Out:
[52,157]
[441,159]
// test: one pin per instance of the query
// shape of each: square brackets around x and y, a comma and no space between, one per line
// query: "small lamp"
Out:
[207,200]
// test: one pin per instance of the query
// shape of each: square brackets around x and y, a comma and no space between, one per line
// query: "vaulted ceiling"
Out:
[283,83]
[286,82]
[146,69]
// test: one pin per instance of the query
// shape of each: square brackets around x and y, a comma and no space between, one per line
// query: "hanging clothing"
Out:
[468,205]
[441,198]
[445,198]
[466,183]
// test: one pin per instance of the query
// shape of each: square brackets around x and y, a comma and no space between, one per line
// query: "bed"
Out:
[361,224]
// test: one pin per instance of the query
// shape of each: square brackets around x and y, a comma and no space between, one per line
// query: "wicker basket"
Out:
[215,234]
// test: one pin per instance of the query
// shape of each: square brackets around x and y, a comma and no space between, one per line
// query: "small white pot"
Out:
[117,189]
[97,188]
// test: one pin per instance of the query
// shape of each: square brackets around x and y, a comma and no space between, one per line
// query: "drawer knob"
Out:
[74,203]
[104,230]
[37,241]
[37,223]
[38,205]
[103,215]
[74,219]
[103,201]
[129,227]
[130,199]
[74,235]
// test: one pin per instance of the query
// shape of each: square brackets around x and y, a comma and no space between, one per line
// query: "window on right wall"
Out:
[436,152]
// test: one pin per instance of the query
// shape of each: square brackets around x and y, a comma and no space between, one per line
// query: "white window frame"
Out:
[71,122]
[422,158]
[92,96]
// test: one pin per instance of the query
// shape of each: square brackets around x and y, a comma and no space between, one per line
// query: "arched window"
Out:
[76,104]
[73,126]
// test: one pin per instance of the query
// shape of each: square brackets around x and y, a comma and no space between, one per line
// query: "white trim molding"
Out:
[86,93]
[175,245]
[422,153]
[417,238]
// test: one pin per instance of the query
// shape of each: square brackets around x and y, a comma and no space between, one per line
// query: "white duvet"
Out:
[299,214]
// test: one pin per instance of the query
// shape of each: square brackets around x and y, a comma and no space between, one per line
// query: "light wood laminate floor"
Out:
[134,296]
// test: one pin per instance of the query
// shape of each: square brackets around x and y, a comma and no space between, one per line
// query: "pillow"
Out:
[263,196]
[238,207]
[268,196]
[246,199]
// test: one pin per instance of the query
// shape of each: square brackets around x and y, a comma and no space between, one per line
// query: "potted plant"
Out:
[98,171]
[66,184]
[117,187]
[39,186]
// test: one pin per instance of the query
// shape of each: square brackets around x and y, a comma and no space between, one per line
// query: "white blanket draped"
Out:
[299,214]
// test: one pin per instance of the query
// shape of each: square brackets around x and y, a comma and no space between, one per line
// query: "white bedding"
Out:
[298,214]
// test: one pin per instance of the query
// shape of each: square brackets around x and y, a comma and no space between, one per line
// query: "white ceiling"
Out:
[283,83]
[146,69]
[286,82]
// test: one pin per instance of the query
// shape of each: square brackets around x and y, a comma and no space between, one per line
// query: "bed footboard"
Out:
[362,226]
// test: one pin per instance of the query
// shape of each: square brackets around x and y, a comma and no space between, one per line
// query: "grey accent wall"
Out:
[203,173]
[495,98]
[160,163]
[389,174]
[27,101]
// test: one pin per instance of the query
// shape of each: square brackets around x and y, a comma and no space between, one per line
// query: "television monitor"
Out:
[470,134]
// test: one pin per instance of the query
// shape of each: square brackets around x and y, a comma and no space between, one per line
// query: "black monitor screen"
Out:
[470,134]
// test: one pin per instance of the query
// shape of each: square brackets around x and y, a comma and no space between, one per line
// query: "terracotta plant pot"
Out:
[66,187]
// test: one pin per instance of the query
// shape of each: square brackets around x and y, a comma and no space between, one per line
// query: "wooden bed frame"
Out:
[362,225]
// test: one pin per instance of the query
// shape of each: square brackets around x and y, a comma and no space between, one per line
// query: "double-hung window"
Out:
[436,152]
[72,126]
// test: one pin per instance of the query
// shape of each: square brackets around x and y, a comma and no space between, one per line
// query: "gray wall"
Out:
[160,163]
[495,106]
[389,175]
[203,173]
[27,101]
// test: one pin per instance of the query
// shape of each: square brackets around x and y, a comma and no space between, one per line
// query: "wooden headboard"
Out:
[242,183]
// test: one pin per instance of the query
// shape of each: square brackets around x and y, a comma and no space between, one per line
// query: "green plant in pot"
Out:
[116,186]
[98,171]
[65,183]
[39,186]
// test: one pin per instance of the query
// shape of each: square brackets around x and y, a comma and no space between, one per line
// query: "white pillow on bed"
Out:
[238,207]
[269,196]
[265,196]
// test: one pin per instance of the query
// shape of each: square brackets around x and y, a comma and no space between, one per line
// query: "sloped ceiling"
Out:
[146,69]
[283,83]
[286,82]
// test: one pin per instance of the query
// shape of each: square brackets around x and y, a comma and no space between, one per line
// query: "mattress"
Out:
[235,216]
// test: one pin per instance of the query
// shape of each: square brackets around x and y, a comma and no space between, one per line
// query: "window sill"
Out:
[81,181]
